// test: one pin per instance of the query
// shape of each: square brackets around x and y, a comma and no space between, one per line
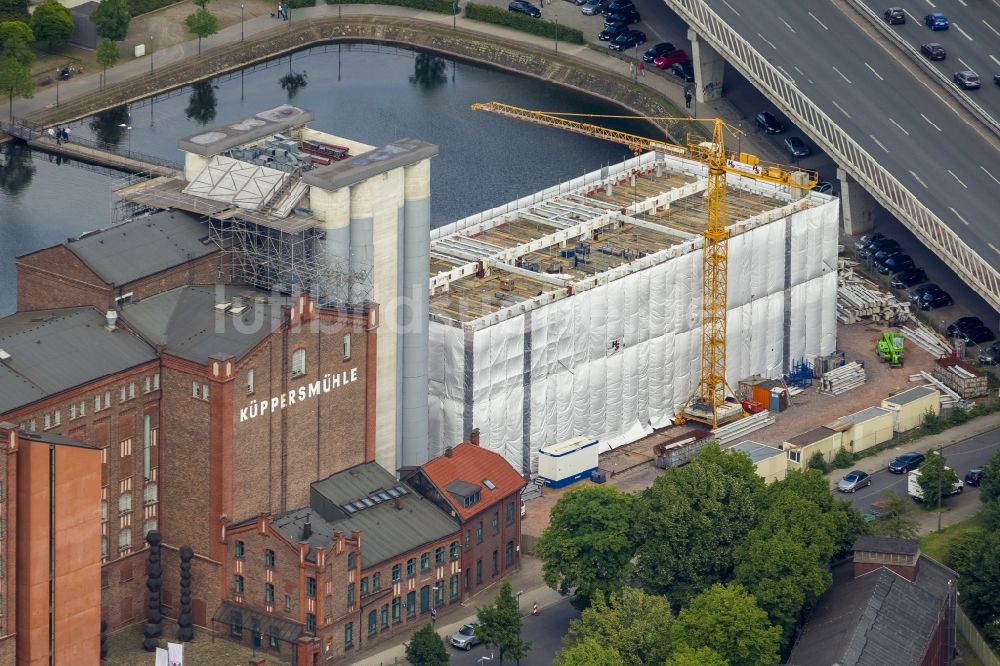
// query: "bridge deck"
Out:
[83,153]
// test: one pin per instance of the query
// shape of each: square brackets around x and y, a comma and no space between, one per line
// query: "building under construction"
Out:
[576,311]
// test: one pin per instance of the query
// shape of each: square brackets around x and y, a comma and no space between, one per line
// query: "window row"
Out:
[102,401]
[273,634]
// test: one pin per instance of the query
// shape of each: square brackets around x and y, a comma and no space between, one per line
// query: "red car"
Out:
[671,57]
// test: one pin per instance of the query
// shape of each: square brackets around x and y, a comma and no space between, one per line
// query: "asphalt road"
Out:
[961,457]
[900,118]
[544,631]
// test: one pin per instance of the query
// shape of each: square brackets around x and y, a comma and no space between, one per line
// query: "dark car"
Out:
[996,79]
[524,7]
[796,147]
[933,51]
[854,480]
[937,298]
[906,462]
[936,21]
[976,335]
[683,70]
[867,239]
[974,476]
[630,15]
[612,31]
[823,187]
[767,122]
[967,80]
[592,7]
[669,58]
[896,264]
[628,40]
[877,245]
[895,16]
[990,355]
[918,293]
[656,51]
[908,278]
[961,325]
[616,6]
[889,251]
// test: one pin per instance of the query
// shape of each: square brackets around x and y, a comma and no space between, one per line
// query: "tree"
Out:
[111,19]
[14,10]
[15,42]
[685,655]
[426,648]
[107,56]
[635,625]
[936,480]
[500,626]
[587,545]
[894,517]
[202,23]
[15,80]
[16,175]
[728,620]
[989,488]
[588,652]
[51,21]
[690,518]
[979,576]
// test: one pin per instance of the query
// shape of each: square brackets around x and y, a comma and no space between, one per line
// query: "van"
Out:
[914,490]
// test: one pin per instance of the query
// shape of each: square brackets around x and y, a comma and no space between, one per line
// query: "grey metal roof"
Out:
[55,350]
[143,246]
[353,170]
[53,438]
[388,531]
[814,435]
[756,450]
[879,619]
[874,544]
[186,322]
[461,488]
[909,395]
[218,139]
[864,415]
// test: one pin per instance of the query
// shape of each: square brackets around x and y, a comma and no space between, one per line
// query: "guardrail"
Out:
[958,95]
[928,227]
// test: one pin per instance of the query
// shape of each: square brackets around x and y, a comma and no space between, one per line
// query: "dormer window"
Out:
[466,493]
[471,500]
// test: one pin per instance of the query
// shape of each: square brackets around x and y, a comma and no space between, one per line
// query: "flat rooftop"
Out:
[221,138]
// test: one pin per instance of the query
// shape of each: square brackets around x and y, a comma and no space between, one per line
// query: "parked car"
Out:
[594,7]
[524,7]
[908,278]
[616,6]
[967,80]
[888,251]
[465,638]
[974,476]
[670,58]
[906,462]
[656,51]
[933,51]
[914,490]
[796,147]
[895,264]
[976,335]
[823,187]
[630,15]
[996,79]
[628,40]
[936,298]
[854,480]
[612,31]
[961,325]
[936,21]
[683,71]
[768,123]
[917,293]
[990,355]
[895,16]
[875,245]
[868,238]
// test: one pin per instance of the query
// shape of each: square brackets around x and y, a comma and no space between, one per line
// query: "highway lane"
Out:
[901,120]
[972,41]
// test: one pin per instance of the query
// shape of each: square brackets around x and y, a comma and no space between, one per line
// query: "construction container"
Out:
[567,462]
[768,461]
[960,377]
[910,406]
[866,428]
[778,399]
[802,448]
[681,448]
[745,386]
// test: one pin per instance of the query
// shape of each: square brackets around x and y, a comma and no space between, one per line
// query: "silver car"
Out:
[465,638]
[854,480]
[594,7]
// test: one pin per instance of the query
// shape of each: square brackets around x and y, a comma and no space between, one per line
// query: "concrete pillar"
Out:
[799,178]
[334,208]
[362,248]
[709,68]
[857,206]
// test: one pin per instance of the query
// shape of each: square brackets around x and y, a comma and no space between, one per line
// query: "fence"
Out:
[849,155]
[979,646]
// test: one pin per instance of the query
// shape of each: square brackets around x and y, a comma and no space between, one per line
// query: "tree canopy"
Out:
[727,619]
[107,54]
[425,648]
[14,10]
[936,479]
[633,624]
[51,22]
[111,19]
[588,652]
[588,543]
[979,575]
[202,23]
[686,655]
[894,518]
[500,626]
[15,81]
[15,42]
[989,489]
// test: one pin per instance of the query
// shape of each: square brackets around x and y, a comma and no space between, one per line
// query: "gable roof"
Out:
[879,619]
[56,350]
[143,246]
[472,466]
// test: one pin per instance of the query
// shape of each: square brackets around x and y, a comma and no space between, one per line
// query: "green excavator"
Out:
[890,348]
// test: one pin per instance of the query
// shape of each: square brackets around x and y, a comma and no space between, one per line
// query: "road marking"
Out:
[841,74]
[920,181]
[770,43]
[799,70]
[964,64]
[994,247]
[731,7]
[993,58]
[956,27]
[912,17]
[878,142]
[958,179]
[899,126]
[786,24]
[990,175]
[991,28]
[874,72]
[818,21]
[931,4]
[841,109]
[929,120]
[956,214]
[964,3]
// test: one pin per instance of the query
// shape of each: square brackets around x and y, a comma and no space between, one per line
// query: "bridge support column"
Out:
[709,68]
[857,207]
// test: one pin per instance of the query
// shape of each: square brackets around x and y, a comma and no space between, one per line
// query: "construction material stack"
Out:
[843,379]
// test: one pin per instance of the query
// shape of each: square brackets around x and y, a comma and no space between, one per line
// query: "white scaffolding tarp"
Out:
[616,360]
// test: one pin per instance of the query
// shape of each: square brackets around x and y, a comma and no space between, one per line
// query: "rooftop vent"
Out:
[307,530]
[112,318]
[4,356]
[225,305]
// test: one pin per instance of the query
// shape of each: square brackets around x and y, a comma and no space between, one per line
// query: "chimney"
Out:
[449,452]
[111,317]
[474,437]
[398,503]
[307,530]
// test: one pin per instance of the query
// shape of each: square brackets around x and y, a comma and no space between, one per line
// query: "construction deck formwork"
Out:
[577,311]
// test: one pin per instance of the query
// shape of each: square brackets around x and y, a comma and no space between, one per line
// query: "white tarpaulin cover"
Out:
[618,359]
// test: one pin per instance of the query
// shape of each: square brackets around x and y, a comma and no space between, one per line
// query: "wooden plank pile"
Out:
[740,428]
[963,378]
[927,339]
[861,300]
[843,379]
[948,397]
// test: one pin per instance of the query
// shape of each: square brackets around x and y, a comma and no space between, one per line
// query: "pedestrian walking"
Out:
[280,16]
[66,135]
[59,136]
[687,98]
[642,68]
[284,9]
[51,132]
[434,616]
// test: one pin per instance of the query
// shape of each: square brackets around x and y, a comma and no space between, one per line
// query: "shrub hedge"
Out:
[136,7]
[439,6]
[543,28]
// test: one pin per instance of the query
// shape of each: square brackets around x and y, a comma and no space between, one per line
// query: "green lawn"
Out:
[936,544]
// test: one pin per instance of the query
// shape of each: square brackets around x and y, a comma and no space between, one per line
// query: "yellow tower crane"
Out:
[709,397]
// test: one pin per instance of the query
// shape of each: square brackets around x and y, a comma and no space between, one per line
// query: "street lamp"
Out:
[485,658]
[241,21]
[555,19]
[150,54]
[57,85]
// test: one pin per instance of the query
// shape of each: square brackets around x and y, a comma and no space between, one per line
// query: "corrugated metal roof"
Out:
[864,415]
[55,350]
[387,531]
[814,435]
[756,450]
[187,323]
[143,246]
[909,395]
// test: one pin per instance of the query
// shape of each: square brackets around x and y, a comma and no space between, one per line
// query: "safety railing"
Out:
[932,231]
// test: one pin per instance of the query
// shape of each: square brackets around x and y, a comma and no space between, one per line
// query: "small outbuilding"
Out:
[801,448]
[769,461]
[910,406]
[866,428]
